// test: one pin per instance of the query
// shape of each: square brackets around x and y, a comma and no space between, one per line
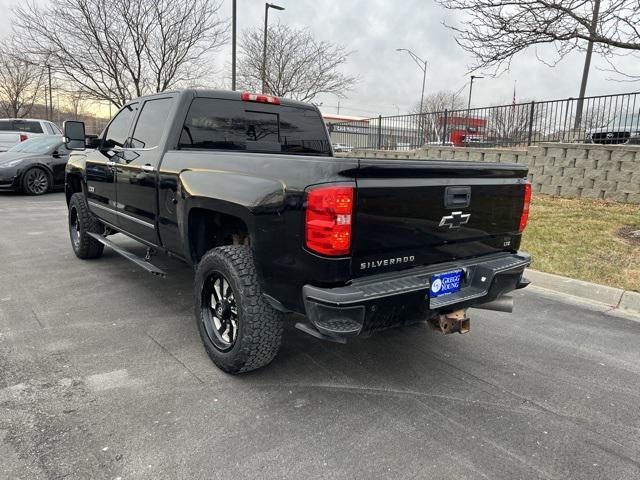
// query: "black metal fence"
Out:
[604,119]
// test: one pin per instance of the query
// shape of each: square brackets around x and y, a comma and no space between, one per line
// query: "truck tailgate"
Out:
[412,213]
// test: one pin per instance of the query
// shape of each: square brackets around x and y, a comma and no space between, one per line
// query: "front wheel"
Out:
[240,330]
[35,181]
[81,222]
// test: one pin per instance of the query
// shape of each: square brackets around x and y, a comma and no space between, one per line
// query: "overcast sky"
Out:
[390,81]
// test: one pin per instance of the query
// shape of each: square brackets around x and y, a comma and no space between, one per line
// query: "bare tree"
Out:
[496,30]
[439,102]
[75,102]
[20,83]
[115,50]
[298,65]
[510,123]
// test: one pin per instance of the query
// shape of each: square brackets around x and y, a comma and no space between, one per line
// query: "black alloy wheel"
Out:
[81,223]
[74,227]
[240,330]
[219,312]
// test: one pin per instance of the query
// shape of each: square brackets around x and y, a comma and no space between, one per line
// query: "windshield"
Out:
[38,145]
[631,120]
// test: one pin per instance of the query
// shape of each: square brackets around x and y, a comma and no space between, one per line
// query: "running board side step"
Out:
[129,256]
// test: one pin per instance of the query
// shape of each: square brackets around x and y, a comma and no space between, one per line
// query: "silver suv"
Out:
[16,130]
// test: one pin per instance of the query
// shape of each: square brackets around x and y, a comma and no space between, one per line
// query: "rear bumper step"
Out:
[400,298]
[132,257]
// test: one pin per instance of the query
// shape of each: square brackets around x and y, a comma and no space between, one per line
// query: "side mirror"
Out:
[93,141]
[55,154]
[74,136]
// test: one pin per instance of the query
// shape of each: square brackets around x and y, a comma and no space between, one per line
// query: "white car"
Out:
[342,147]
[16,130]
[404,146]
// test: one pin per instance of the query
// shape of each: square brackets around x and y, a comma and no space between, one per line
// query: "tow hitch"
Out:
[451,322]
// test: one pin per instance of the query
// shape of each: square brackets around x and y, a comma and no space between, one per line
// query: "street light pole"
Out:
[233,46]
[264,49]
[456,95]
[50,118]
[473,77]
[587,65]
[422,64]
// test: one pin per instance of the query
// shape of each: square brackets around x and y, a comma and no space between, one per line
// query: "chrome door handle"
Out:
[111,164]
[147,168]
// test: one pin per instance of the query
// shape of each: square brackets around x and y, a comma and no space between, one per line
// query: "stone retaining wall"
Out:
[610,172]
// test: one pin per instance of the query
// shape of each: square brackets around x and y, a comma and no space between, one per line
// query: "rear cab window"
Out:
[27,126]
[220,124]
[151,123]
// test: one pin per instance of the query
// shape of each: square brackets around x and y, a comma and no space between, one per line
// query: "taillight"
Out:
[525,206]
[260,98]
[23,137]
[328,220]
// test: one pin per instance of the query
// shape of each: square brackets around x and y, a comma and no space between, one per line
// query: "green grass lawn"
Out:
[577,238]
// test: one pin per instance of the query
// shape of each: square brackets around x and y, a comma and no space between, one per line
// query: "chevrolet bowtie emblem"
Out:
[455,220]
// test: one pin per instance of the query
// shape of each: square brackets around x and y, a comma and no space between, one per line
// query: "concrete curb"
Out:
[615,297]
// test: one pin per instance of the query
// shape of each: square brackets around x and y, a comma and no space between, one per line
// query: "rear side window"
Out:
[151,123]
[6,125]
[26,126]
[214,124]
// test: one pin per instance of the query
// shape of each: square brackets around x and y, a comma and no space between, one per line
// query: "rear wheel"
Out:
[35,181]
[240,330]
[81,222]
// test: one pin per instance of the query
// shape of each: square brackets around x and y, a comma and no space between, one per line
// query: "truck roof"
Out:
[24,119]
[228,95]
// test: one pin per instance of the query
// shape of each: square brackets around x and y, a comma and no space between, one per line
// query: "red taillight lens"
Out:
[328,220]
[260,98]
[23,137]
[525,207]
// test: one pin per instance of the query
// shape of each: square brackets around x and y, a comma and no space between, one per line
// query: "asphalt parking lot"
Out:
[102,375]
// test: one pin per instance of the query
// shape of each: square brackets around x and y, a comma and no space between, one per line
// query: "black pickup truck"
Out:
[245,187]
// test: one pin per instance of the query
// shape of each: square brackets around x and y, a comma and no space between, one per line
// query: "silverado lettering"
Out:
[386,262]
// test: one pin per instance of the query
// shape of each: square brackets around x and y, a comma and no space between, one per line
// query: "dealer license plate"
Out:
[445,283]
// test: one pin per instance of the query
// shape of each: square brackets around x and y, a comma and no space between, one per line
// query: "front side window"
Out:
[118,130]
[216,124]
[151,123]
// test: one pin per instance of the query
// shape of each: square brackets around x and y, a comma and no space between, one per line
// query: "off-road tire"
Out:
[84,246]
[259,324]
[43,182]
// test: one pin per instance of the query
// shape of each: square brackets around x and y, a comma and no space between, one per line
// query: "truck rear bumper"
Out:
[402,298]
